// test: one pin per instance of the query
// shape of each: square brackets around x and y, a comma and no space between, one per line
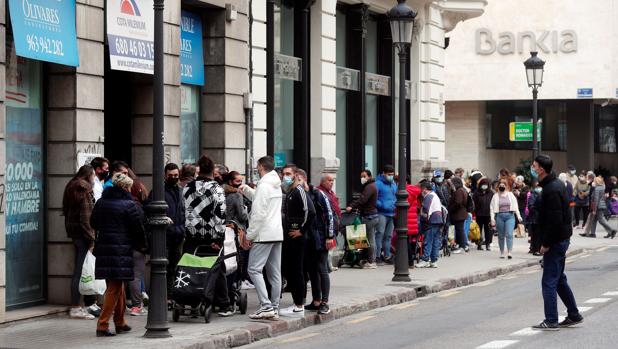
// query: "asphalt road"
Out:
[493,314]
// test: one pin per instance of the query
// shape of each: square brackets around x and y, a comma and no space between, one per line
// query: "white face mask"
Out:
[572,172]
[364,180]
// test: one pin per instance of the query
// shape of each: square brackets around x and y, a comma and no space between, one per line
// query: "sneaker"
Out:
[324,309]
[246,285]
[94,310]
[509,256]
[312,307]
[546,326]
[433,264]
[467,249]
[293,311]
[80,313]
[568,321]
[370,266]
[229,311]
[457,251]
[389,261]
[138,311]
[276,317]
[422,264]
[263,313]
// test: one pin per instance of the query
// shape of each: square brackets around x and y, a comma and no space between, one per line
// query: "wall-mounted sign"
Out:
[85,159]
[522,131]
[191,51]
[377,84]
[130,33]
[288,67]
[546,41]
[348,79]
[280,159]
[584,93]
[45,30]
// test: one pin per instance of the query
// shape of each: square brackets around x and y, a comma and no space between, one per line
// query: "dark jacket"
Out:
[457,207]
[534,200]
[78,202]
[482,202]
[366,203]
[235,209]
[386,196]
[298,212]
[323,226]
[175,232]
[554,215]
[443,191]
[522,196]
[118,221]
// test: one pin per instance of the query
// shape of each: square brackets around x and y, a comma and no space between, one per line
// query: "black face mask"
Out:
[103,175]
[502,188]
[171,181]
[236,185]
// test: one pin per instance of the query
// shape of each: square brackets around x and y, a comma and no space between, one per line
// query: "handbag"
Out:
[88,285]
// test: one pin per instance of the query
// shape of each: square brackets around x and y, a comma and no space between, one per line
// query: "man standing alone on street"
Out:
[556,230]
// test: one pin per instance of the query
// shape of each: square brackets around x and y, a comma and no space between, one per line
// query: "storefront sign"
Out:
[130,33]
[280,159]
[584,93]
[546,41]
[377,84]
[45,30]
[288,67]
[522,131]
[191,52]
[348,79]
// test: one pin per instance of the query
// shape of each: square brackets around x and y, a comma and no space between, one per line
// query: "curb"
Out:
[263,330]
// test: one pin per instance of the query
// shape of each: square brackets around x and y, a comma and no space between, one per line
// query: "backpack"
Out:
[470,204]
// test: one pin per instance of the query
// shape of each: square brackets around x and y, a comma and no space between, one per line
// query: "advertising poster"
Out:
[130,33]
[45,30]
[191,51]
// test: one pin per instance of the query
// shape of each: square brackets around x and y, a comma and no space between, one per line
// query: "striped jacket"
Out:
[205,209]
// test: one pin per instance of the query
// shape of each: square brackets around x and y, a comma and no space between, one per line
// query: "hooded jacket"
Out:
[265,224]
[205,209]
[386,196]
[413,193]
[554,215]
[457,207]
[235,207]
[482,199]
[366,203]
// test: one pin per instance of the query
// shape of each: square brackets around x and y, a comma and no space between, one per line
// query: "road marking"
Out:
[406,306]
[598,300]
[356,321]
[526,332]
[583,309]
[299,338]
[509,277]
[611,293]
[531,271]
[497,344]
[448,294]
[604,248]
[570,261]
[485,283]
[584,256]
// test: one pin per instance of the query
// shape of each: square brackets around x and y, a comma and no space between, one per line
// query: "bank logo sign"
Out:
[130,34]
[505,43]
[191,51]
[45,30]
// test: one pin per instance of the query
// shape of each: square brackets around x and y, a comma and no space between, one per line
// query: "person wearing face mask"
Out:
[482,205]
[572,175]
[366,206]
[387,190]
[433,219]
[504,212]
[582,200]
[457,209]
[236,210]
[613,184]
[101,171]
[532,217]
[441,187]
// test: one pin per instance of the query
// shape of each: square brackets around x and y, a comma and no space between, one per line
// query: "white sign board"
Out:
[130,33]
[85,159]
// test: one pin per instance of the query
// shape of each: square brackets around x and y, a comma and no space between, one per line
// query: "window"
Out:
[371,143]
[189,124]
[342,151]
[606,124]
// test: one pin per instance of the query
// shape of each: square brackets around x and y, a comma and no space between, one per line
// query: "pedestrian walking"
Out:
[366,206]
[482,206]
[457,209]
[599,209]
[556,230]
[432,219]
[265,231]
[582,192]
[532,217]
[504,216]
[77,205]
[387,190]
[118,220]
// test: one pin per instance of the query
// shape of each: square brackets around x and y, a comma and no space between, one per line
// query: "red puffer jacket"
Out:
[413,193]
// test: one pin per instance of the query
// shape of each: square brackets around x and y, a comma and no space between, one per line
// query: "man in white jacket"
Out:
[266,234]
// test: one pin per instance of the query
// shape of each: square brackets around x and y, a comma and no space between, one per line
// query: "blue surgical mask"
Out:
[390,178]
[287,181]
[533,172]
[538,189]
[439,179]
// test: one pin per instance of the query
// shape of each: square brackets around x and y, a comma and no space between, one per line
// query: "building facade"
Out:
[486,88]
[308,82]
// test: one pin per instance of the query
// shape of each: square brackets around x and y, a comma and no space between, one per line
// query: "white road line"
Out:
[497,344]
[602,248]
[526,332]
[583,309]
[598,300]
[611,293]
[584,256]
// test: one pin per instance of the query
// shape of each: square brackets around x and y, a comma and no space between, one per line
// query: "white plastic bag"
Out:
[88,285]
[229,248]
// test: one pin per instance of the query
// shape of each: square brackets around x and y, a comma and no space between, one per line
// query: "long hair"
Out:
[138,190]
[78,188]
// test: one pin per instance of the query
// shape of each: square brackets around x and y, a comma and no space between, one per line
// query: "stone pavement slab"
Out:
[352,291]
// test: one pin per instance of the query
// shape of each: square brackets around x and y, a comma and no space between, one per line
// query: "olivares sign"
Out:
[546,41]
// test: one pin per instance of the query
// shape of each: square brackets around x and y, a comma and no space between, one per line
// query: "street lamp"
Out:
[401,18]
[157,325]
[534,73]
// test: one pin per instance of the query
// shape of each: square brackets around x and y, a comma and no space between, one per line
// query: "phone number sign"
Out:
[45,30]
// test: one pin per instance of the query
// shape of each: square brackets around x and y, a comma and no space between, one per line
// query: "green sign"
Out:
[522,131]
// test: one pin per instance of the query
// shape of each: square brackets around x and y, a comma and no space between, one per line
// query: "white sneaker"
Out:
[433,265]
[263,313]
[422,264]
[457,251]
[293,311]
[80,313]
[370,266]
[246,285]
[145,296]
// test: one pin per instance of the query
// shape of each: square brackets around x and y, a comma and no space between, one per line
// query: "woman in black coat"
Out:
[118,221]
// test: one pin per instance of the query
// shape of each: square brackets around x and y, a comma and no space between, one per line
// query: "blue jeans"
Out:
[505,223]
[467,224]
[432,243]
[554,282]
[384,233]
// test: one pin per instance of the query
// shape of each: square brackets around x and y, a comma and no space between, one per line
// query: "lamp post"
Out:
[401,18]
[534,73]
[157,325]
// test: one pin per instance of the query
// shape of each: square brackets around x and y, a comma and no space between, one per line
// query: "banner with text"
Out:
[191,52]
[45,30]
[130,33]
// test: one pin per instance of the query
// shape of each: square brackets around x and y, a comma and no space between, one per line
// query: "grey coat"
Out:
[598,197]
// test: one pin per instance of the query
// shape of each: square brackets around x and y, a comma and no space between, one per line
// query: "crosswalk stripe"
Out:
[497,344]
[528,331]
[598,300]
[611,293]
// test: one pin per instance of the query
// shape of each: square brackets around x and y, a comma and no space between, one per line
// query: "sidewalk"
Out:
[353,291]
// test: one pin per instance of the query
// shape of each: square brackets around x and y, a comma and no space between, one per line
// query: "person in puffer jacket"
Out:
[387,190]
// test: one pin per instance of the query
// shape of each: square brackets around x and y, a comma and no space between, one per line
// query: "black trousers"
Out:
[459,233]
[81,249]
[535,237]
[483,223]
[316,264]
[579,211]
[293,268]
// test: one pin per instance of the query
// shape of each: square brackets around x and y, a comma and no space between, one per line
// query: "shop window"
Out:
[552,117]
[606,126]
[342,174]
[371,143]
[189,124]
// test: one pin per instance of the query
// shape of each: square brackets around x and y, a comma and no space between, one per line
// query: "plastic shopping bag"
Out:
[357,236]
[88,285]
